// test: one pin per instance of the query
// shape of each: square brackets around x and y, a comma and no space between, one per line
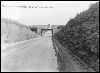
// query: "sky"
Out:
[60,13]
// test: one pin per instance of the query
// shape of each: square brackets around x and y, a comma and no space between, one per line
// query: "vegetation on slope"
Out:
[57,28]
[81,36]
[12,31]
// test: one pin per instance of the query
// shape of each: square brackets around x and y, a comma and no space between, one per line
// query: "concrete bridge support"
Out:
[39,31]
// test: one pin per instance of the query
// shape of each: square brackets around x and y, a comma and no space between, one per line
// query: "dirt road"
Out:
[34,55]
[38,55]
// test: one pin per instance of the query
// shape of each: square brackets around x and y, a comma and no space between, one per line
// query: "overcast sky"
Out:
[61,12]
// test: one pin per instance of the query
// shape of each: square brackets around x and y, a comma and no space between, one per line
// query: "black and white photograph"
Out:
[49,36]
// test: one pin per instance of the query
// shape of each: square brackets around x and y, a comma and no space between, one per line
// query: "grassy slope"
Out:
[81,36]
[12,31]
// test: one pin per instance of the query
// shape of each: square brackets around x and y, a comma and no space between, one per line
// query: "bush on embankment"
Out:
[81,36]
[12,31]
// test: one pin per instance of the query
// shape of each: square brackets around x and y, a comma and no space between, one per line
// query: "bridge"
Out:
[41,29]
[44,30]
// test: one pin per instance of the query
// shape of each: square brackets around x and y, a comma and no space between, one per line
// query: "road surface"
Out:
[35,55]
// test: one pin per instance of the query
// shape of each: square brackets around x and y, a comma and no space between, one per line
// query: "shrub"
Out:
[81,35]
